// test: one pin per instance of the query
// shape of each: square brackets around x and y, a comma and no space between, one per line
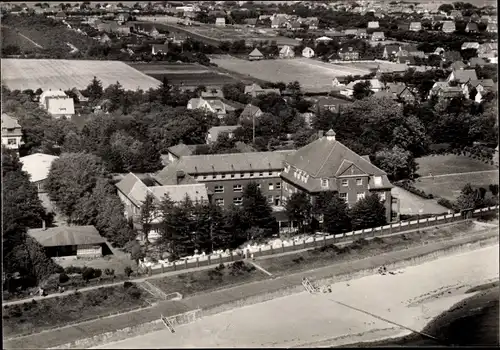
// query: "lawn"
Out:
[450,164]
[209,280]
[66,74]
[449,186]
[11,37]
[360,249]
[313,75]
[35,316]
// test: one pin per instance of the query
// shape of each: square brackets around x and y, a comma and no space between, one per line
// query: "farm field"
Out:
[449,186]
[66,74]
[450,164]
[185,75]
[311,74]
[11,37]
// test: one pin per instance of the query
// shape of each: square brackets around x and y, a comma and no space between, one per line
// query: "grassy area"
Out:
[360,249]
[449,164]
[35,316]
[11,37]
[209,280]
[449,186]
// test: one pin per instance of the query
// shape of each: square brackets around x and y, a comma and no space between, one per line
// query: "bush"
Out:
[128,271]
[127,284]
[445,203]
[88,273]
[97,273]
[73,269]
[408,185]
[109,272]
[63,278]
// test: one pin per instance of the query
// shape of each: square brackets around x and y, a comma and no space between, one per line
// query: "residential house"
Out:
[477,62]
[401,92]
[470,45]
[448,27]
[70,241]
[353,32]
[104,39]
[278,22]
[458,65]
[456,14]
[439,51]
[475,18]
[448,92]
[339,81]
[250,112]
[328,165]
[488,51]
[451,56]
[390,51]
[60,15]
[255,55]
[415,26]
[177,151]
[308,52]
[123,30]
[255,90]
[328,103]
[312,22]
[471,27]
[485,19]
[215,131]
[57,103]
[220,22]
[212,106]
[378,36]
[323,39]
[122,17]
[410,50]
[492,28]
[438,85]
[293,25]
[462,76]
[482,87]
[154,33]
[406,60]
[226,175]
[362,33]
[37,166]
[404,26]
[159,48]
[109,27]
[348,54]
[373,25]
[11,132]
[287,52]
[250,22]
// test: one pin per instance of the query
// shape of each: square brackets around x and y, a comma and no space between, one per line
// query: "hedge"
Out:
[408,185]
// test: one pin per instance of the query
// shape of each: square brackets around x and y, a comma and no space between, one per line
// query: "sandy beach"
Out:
[411,298]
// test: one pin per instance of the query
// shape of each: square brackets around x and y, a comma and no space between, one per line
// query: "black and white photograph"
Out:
[250,174]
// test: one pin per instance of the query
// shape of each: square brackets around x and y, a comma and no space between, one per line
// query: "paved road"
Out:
[453,174]
[173,273]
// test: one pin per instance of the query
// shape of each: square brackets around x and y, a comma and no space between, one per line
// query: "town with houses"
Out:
[174,160]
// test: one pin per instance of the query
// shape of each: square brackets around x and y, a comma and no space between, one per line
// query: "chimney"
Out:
[180,175]
[44,227]
[320,134]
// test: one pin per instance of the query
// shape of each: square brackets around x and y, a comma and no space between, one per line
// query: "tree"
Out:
[396,162]
[362,90]
[94,90]
[493,189]
[468,199]
[148,215]
[298,208]
[368,212]
[446,8]
[257,211]
[336,216]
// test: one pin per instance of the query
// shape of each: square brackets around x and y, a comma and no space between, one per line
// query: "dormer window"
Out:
[324,182]
[377,180]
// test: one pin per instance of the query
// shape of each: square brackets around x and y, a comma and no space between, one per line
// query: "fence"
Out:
[313,242]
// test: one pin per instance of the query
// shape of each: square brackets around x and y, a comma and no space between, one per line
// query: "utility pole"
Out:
[253,128]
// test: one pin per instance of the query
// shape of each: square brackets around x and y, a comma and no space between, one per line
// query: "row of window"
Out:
[238,175]
[276,200]
[239,188]
[359,196]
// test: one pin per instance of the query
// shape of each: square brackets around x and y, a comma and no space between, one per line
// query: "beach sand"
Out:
[411,298]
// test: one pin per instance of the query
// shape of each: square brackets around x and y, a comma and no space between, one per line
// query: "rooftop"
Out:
[37,165]
[67,235]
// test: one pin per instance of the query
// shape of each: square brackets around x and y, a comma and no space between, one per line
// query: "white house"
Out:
[213,106]
[220,22]
[57,103]
[11,132]
[37,165]
[323,39]
[287,52]
[375,86]
[308,52]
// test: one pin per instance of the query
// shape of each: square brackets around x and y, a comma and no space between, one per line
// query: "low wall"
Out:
[130,332]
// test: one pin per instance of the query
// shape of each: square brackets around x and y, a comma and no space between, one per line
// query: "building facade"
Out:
[328,165]
[11,132]
[226,175]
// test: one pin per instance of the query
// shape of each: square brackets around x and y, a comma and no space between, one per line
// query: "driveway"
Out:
[411,204]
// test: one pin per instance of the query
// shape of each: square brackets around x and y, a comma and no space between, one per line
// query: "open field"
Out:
[33,317]
[324,256]
[449,186]
[186,75]
[450,164]
[311,74]
[417,294]
[66,74]
[11,37]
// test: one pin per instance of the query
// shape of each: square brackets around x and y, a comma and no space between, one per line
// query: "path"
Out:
[174,273]
[454,174]
[25,37]
[411,204]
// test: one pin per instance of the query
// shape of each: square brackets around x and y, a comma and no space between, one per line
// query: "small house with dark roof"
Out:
[492,28]
[471,27]
[215,131]
[462,76]
[401,92]
[12,132]
[157,49]
[250,112]
[477,62]
[448,92]
[250,22]
[415,26]
[390,51]
[456,14]
[327,165]
[179,150]
[255,55]
[406,60]
[452,56]
[448,27]
[404,26]
[362,33]
[378,36]
[352,32]
[70,241]
[458,65]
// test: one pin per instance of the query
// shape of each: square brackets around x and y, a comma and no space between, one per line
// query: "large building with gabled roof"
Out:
[328,165]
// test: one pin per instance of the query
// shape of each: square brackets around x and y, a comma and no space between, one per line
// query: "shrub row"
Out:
[408,185]
[481,153]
